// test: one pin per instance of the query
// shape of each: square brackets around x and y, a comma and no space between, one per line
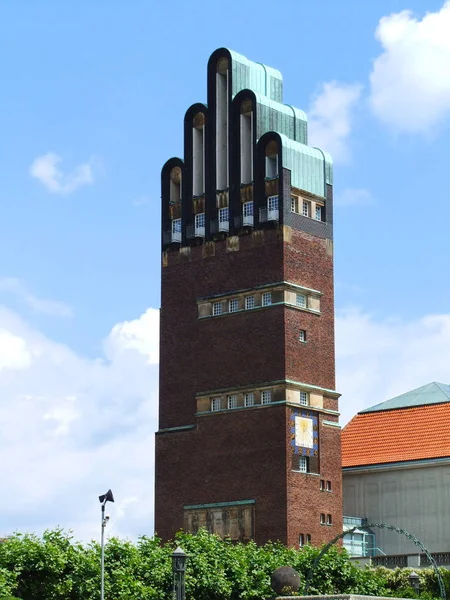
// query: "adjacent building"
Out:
[396,470]
[248,442]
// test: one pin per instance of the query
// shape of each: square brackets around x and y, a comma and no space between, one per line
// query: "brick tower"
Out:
[248,444]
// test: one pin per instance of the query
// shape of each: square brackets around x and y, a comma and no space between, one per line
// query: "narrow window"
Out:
[246,142]
[247,213]
[329,520]
[303,464]
[200,224]
[300,300]
[271,160]
[318,212]
[249,399]
[322,519]
[224,215]
[266,397]
[302,335]
[301,540]
[176,230]
[215,404]
[328,486]
[304,400]
[267,299]
[233,305]
[322,485]
[306,209]
[308,538]
[222,84]
[294,204]
[232,401]
[249,302]
[198,155]
[217,308]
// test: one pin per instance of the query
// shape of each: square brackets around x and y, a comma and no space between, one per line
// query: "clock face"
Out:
[304,436]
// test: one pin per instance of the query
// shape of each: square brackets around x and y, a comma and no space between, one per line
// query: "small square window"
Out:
[322,519]
[300,300]
[306,209]
[302,335]
[329,520]
[272,202]
[318,212]
[200,220]
[176,226]
[223,215]
[232,401]
[233,305]
[322,485]
[303,464]
[304,400]
[217,308]
[301,540]
[249,399]
[249,302]
[266,397]
[328,486]
[308,538]
[267,299]
[216,404]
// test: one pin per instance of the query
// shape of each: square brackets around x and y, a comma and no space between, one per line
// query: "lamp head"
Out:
[108,497]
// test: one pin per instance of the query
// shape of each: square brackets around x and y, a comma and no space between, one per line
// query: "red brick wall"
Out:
[245,455]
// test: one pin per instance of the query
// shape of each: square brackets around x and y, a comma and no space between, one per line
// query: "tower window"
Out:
[329,520]
[266,397]
[216,404]
[303,464]
[200,224]
[306,209]
[217,308]
[322,485]
[300,300]
[301,540]
[272,202]
[176,230]
[232,401]
[294,204]
[308,538]
[322,519]
[233,305]
[302,335]
[318,212]
[223,215]
[247,213]
[249,399]
[267,299]
[249,302]
[328,486]
[304,399]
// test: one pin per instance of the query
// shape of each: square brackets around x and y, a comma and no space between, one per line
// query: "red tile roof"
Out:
[397,435]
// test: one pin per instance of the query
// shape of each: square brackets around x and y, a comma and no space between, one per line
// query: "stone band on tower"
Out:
[248,442]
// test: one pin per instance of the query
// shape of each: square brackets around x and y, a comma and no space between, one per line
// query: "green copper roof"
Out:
[282,118]
[432,393]
[256,77]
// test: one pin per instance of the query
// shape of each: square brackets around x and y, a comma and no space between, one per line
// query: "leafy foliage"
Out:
[55,567]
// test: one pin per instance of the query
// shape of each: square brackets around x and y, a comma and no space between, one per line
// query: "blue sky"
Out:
[94,95]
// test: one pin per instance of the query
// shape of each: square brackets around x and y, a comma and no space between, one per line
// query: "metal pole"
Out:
[102,568]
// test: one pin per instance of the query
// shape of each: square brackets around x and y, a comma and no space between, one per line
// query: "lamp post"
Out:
[104,498]
[414,581]
[179,559]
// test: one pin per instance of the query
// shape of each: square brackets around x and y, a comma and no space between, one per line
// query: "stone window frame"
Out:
[306,205]
[216,403]
[304,398]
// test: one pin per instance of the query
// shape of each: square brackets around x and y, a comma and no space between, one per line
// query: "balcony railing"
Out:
[194,232]
[247,220]
[171,237]
[268,215]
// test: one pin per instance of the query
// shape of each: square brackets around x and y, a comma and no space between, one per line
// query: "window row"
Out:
[325,486]
[304,539]
[326,519]
[307,208]
[245,400]
[225,306]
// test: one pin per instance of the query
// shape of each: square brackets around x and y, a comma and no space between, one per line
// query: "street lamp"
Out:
[179,559]
[104,498]
[414,581]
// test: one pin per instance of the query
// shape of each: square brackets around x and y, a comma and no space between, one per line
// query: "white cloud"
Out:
[41,305]
[354,197]
[330,118]
[45,168]
[379,359]
[410,80]
[73,427]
